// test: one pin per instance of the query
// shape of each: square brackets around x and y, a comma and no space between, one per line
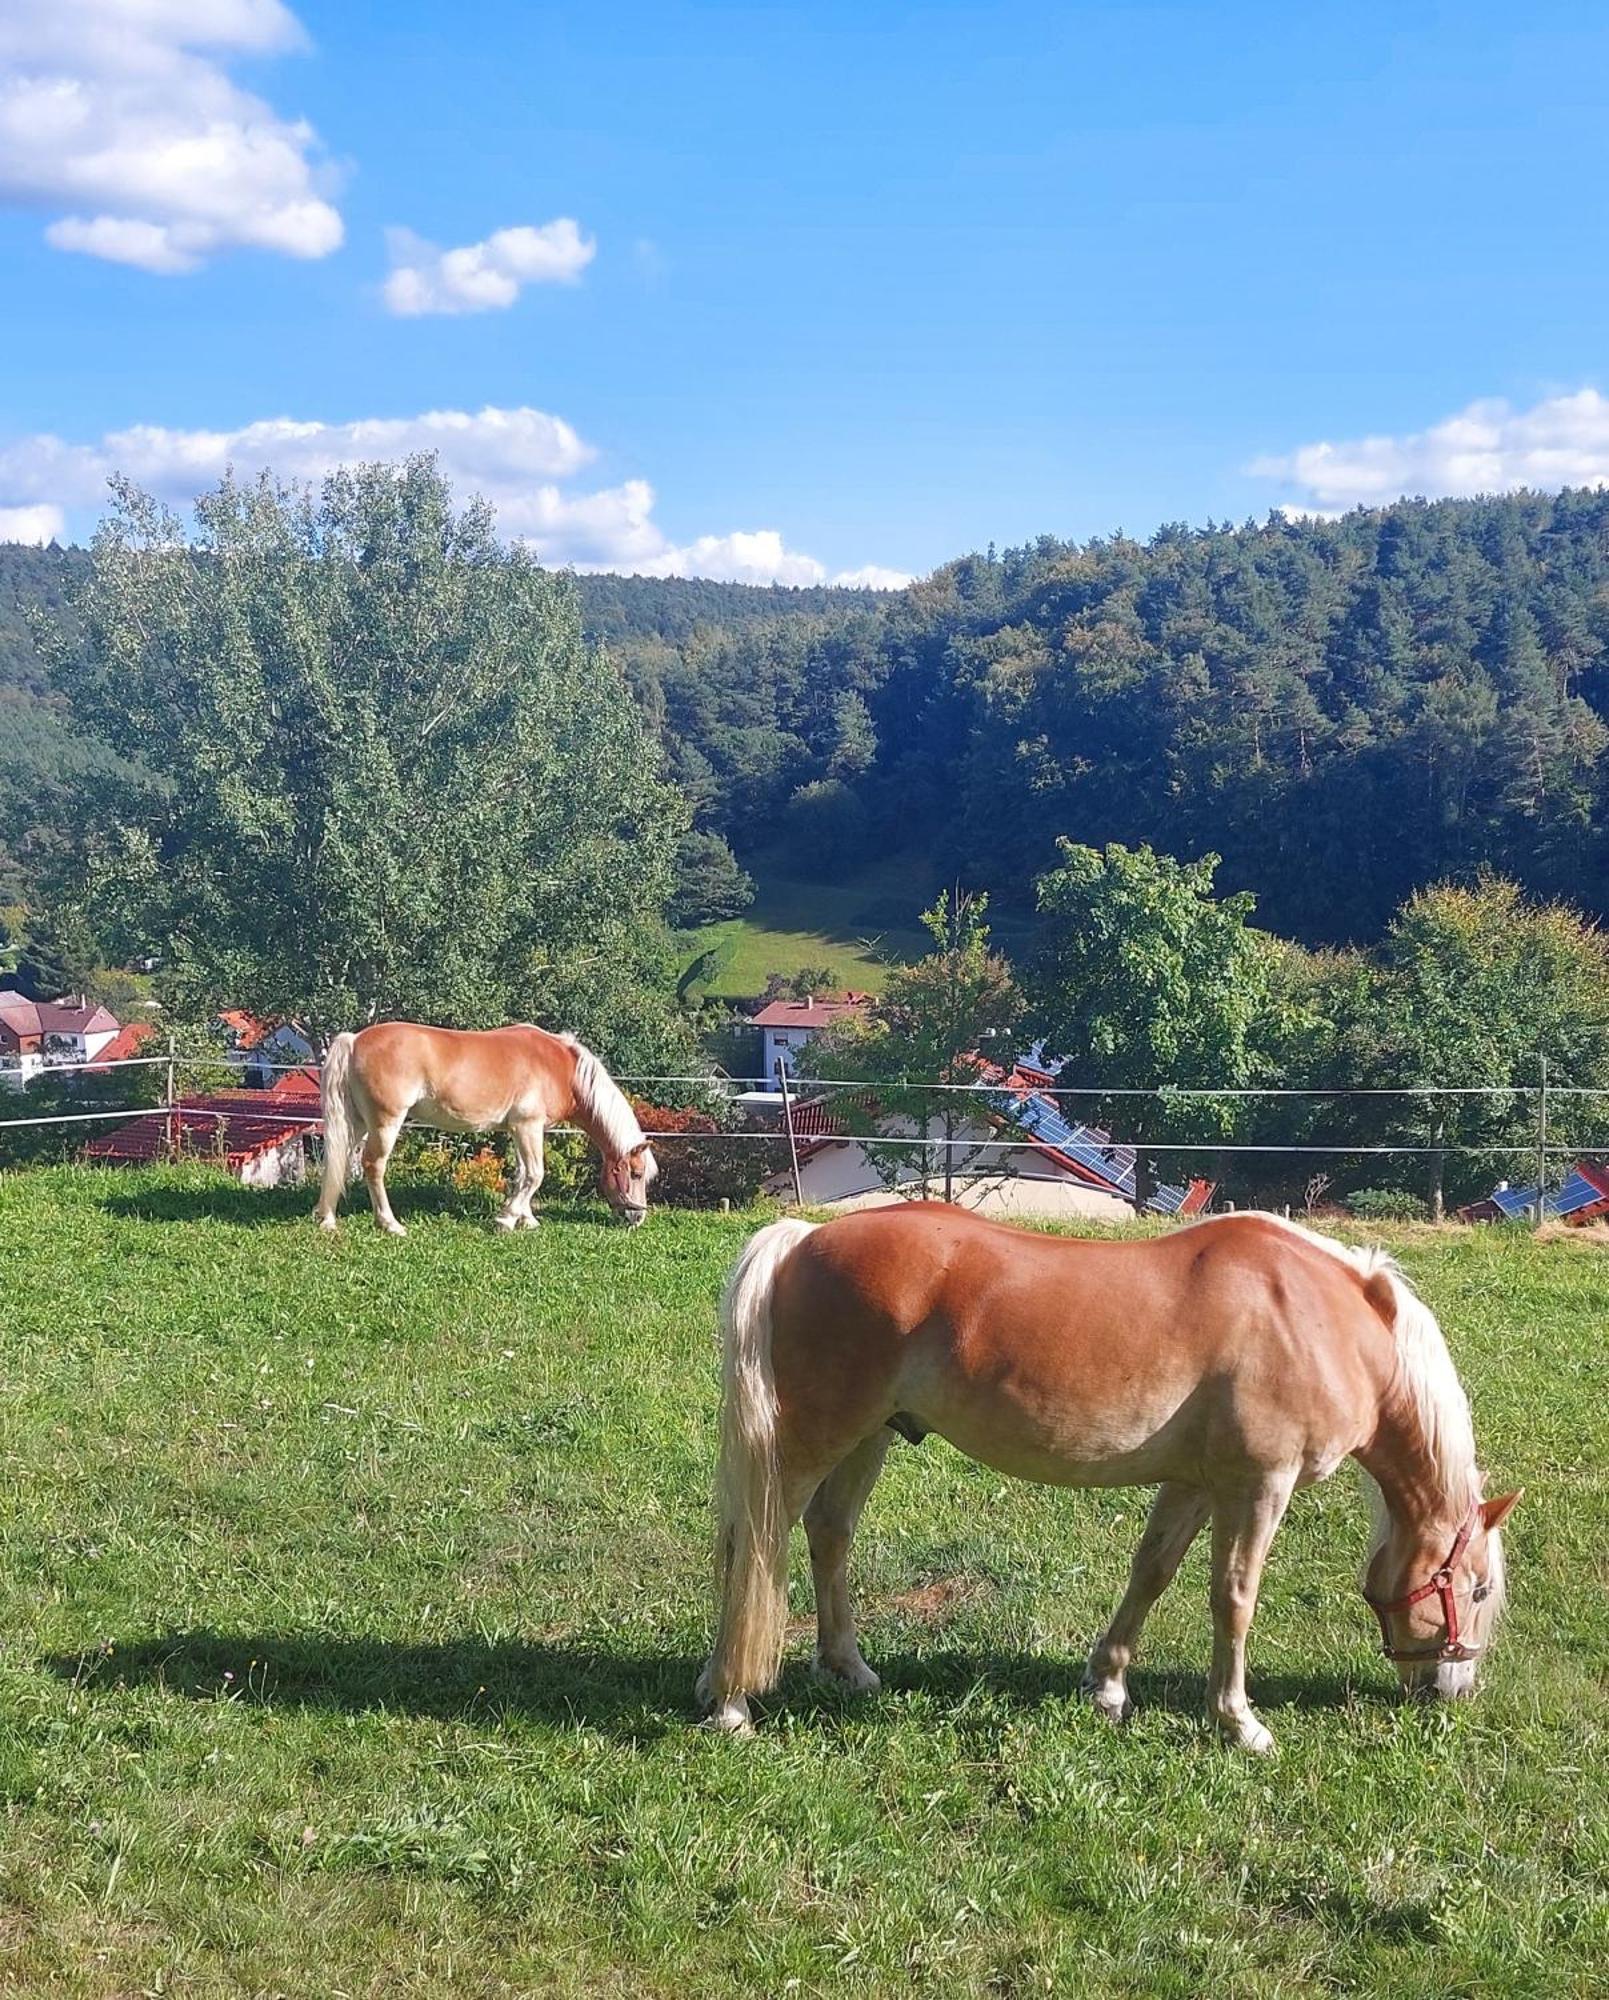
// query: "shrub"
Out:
[709,1166]
[1385,1205]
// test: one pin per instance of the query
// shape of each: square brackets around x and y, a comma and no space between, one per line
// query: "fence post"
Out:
[1542,1146]
[169,1093]
[787,1119]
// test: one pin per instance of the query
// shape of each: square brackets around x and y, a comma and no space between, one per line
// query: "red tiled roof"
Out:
[125,1043]
[811,1013]
[231,1125]
[247,1030]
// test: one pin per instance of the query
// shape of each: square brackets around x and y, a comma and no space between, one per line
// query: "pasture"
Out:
[353,1591]
[857,925]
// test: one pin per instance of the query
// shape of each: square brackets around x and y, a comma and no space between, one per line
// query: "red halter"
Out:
[1439,1585]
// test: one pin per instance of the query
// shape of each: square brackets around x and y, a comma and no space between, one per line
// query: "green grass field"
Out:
[859,925]
[353,1592]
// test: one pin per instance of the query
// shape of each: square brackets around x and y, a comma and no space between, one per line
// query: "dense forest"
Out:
[1343,709]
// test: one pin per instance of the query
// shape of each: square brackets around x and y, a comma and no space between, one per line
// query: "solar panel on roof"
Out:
[1043,1119]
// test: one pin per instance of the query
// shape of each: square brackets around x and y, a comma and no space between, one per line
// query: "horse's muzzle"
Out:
[633,1218]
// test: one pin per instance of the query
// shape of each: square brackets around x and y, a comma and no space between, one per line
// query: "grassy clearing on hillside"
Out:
[859,925]
[353,1591]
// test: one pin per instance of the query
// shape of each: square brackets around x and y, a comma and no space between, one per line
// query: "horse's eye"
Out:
[1481,1592]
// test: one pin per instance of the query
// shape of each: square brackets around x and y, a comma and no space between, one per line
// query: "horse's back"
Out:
[472,1077]
[1048,1355]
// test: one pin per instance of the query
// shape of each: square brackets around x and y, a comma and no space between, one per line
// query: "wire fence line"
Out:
[1172,1093]
[1001,1095]
[910,1142]
[287,1115]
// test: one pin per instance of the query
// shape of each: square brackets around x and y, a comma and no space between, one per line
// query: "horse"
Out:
[1228,1363]
[520,1079]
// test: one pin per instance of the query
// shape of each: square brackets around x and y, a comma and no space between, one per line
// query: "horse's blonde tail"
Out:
[751,1537]
[342,1128]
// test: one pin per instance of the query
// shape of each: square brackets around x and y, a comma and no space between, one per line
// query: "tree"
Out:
[1142,979]
[387,775]
[1476,987]
[710,885]
[929,1026]
[825,825]
[58,956]
[805,982]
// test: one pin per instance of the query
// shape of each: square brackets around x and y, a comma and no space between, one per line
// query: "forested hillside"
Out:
[1343,710]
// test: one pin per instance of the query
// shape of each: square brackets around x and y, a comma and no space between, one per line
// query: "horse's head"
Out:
[1437,1604]
[624,1183]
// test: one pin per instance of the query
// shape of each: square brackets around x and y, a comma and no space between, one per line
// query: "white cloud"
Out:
[873,576]
[32,524]
[483,277]
[1490,447]
[519,460]
[121,113]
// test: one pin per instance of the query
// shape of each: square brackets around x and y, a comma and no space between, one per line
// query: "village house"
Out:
[788,1026]
[1014,1153]
[34,1034]
[1582,1197]
[262,1050]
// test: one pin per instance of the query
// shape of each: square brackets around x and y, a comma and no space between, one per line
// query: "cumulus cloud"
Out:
[32,524]
[520,460]
[122,114]
[486,276]
[873,576]
[1490,447]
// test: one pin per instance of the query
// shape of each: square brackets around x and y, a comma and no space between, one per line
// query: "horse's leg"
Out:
[528,1150]
[1243,1525]
[377,1148]
[516,1211]
[1177,1515]
[830,1526]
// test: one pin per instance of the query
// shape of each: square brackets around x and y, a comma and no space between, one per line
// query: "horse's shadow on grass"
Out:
[629,1695]
[225,1200]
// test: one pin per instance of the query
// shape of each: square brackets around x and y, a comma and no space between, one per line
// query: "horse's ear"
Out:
[1495,1512]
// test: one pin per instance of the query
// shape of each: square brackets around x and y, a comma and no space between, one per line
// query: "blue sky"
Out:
[885,282]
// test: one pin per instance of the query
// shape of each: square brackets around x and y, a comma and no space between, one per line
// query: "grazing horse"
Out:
[522,1079]
[1228,1362]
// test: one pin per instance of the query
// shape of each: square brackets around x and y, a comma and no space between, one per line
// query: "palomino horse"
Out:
[523,1079]
[1231,1361]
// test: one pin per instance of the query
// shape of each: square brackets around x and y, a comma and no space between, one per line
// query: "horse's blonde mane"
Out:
[1425,1372]
[602,1105]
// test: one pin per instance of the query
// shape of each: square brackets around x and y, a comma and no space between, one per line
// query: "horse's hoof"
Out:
[1247,1734]
[1107,1699]
[328,1224]
[530,1221]
[730,1717]
[505,1222]
[856,1678]
[392,1229]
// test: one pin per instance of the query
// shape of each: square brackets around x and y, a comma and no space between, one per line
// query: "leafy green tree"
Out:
[805,982]
[710,885]
[388,776]
[1141,979]
[59,955]
[854,739]
[931,1023]
[825,825]
[1478,987]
